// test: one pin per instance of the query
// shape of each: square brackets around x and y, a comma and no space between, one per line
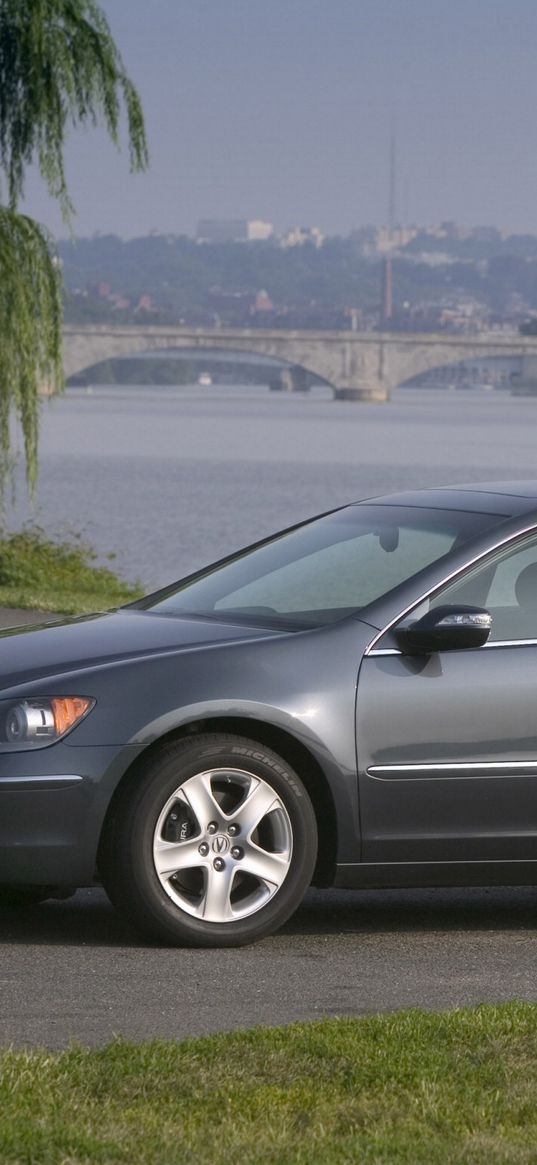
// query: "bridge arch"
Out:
[485,371]
[279,373]
[412,355]
[85,347]
[358,365]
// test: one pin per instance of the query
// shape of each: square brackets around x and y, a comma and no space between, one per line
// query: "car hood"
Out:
[52,648]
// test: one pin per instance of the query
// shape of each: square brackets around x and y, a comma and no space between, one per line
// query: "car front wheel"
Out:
[213,844]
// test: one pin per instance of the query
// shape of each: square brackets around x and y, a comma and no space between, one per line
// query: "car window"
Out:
[506,585]
[331,567]
[342,576]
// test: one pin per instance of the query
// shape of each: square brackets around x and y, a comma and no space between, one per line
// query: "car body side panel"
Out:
[303,684]
[447,747]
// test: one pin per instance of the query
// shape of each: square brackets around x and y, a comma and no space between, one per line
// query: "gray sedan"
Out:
[350,703]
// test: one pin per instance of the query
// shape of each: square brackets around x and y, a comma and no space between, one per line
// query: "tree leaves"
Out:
[30,331]
[59,67]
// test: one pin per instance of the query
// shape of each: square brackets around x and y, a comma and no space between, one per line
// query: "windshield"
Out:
[325,570]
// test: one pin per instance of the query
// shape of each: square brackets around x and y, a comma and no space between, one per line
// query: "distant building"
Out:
[297,236]
[486,234]
[119,302]
[145,303]
[259,231]
[262,303]
[387,239]
[233,230]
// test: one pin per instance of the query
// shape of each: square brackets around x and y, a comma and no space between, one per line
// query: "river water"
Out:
[169,479]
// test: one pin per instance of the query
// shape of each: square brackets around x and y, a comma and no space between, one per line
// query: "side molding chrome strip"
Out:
[42,782]
[455,769]
[438,586]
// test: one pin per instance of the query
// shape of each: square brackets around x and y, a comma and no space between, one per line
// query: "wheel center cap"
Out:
[220,843]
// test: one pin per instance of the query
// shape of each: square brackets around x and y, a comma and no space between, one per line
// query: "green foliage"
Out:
[30,331]
[183,277]
[405,1089]
[39,573]
[59,67]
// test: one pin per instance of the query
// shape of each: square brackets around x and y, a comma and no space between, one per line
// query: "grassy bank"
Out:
[453,1089]
[38,573]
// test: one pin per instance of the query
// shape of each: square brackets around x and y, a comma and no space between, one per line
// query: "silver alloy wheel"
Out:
[233,849]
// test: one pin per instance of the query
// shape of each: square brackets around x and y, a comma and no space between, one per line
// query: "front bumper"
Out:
[53,802]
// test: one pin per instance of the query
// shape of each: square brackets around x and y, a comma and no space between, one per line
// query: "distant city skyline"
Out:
[282,112]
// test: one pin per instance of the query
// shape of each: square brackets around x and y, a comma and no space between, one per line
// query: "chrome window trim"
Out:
[495,643]
[438,586]
[511,643]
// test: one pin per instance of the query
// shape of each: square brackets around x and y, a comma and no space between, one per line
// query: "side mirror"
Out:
[446,628]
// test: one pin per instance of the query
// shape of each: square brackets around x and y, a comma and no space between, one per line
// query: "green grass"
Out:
[39,573]
[418,1088]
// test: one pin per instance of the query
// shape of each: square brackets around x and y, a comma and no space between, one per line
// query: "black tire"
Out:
[155,812]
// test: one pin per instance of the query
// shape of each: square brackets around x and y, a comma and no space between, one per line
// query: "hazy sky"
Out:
[281,109]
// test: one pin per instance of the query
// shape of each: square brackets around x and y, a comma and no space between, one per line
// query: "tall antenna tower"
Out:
[393,165]
[387,271]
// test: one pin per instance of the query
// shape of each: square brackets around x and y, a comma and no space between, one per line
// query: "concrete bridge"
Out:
[357,365]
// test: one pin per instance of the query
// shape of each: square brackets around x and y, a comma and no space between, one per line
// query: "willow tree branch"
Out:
[30,331]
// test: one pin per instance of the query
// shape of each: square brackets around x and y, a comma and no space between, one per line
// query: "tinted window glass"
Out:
[506,584]
[326,569]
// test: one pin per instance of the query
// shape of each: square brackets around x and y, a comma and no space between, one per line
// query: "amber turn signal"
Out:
[67,710]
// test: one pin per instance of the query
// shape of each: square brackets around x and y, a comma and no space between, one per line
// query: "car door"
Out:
[447,742]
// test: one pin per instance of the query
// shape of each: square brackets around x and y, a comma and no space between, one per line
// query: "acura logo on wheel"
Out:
[220,844]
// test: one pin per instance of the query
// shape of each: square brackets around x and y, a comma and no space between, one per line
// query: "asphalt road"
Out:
[74,971]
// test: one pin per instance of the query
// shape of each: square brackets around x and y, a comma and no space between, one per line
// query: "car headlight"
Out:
[34,723]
